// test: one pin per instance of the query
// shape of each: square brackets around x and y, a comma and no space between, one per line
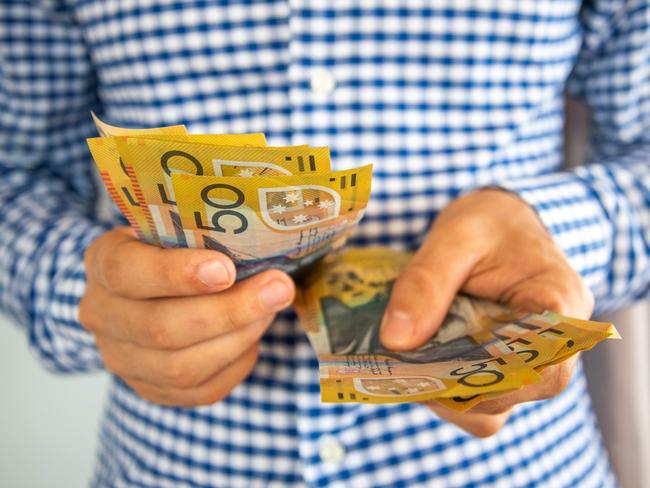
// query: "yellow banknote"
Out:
[114,174]
[254,139]
[535,346]
[354,278]
[574,335]
[179,133]
[541,340]
[585,325]
[582,334]
[152,162]
[285,222]
[377,378]
[118,184]
[341,304]
[106,130]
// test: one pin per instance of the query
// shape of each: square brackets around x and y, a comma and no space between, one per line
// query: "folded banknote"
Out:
[481,350]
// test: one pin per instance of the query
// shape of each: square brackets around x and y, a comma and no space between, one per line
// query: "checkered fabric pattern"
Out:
[442,96]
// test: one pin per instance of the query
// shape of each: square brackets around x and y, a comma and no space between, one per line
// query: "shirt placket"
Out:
[313,120]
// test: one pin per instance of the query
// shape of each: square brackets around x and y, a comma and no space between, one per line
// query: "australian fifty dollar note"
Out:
[286,221]
[119,178]
[114,174]
[151,163]
[481,350]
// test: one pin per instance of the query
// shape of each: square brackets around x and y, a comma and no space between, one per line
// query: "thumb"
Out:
[423,292]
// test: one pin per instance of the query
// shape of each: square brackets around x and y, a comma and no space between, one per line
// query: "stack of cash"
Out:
[482,349]
[283,207]
[264,207]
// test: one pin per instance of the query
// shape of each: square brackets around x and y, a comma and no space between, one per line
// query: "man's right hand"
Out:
[171,322]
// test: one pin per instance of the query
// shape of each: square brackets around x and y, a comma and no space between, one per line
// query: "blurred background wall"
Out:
[49,424]
[619,381]
[618,371]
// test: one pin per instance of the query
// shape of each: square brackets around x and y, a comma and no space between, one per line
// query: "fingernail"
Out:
[275,294]
[213,273]
[397,326]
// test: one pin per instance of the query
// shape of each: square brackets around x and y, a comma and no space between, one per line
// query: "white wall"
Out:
[618,373]
[48,423]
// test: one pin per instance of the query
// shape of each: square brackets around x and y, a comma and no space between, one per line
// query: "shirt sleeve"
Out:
[599,213]
[47,190]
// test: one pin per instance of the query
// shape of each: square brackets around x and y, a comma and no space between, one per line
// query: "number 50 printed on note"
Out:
[285,222]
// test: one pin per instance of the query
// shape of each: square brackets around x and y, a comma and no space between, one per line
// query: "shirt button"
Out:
[331,451]
[322,81]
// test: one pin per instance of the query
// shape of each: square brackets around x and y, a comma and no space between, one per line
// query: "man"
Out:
[210,389]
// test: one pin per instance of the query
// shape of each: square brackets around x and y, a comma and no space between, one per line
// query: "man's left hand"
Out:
[489,244]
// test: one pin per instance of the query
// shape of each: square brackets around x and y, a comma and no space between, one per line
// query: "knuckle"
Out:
[179,267]
[419,278]
[496,409]
[556,301]
[570,295]
[177,401]
[87,317]
[164,399]
[256,297]
[153,394]
[117,265]
[200,319]
[89,258]
[560,380]
[219,314]
[147,395]
[157,335]
[544,262]
[178,374]
[151,327]
[252,354]
[253,333]
[111,363]
[229,317]
[92,252]
[100,255]
[486,429]
[169,269]
[112,273]
[209,396]
[212,393]
[556,380]
[184,269]
[587,298]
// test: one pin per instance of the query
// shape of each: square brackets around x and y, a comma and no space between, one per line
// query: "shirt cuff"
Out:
[56,334]
[573,214]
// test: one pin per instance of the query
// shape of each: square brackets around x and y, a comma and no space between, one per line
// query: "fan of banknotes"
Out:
[283,207]
[264,207]
[481,351]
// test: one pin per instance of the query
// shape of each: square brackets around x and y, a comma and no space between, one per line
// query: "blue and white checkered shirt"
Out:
[441,95]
